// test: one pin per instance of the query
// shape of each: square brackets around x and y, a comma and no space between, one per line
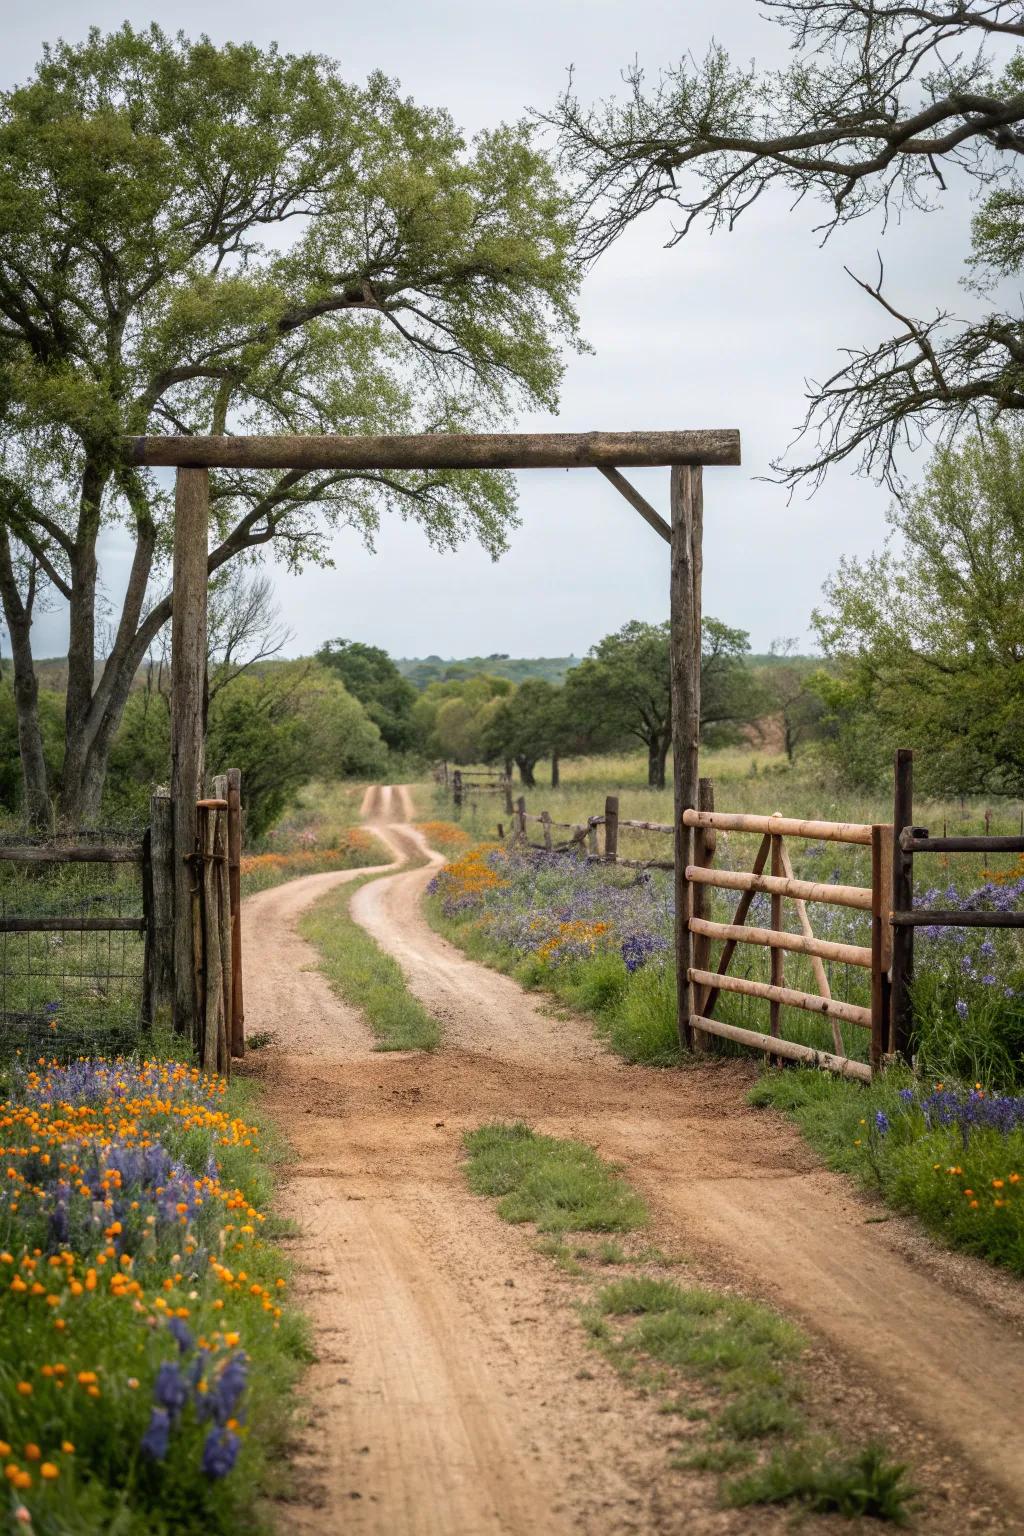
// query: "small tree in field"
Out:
[929,635]
[199,239]
[623,689]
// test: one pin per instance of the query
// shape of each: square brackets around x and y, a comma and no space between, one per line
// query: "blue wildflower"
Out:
[182,1336]
[170,1390]
[961,1009]
[157,1438]
[881,1122]
[220,1452]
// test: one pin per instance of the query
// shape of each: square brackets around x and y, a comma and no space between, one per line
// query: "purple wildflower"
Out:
[220,1452]
[157,1438]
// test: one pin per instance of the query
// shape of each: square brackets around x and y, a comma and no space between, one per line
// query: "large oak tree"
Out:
[198,239]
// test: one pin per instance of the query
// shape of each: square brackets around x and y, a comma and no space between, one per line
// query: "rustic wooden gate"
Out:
[706,985]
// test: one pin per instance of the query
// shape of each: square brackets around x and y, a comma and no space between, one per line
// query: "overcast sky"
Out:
[720,331]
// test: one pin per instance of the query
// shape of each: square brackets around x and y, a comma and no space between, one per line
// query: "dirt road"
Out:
[455,1393]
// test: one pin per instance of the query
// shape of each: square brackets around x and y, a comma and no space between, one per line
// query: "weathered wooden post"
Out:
[507,786]
[228,787]
[211,935]
[520,822]
[704,843]
[902,901]
[776,959]
[237,1032]
[687,497]
[457,789]
[188,689]
[158,875]
[545,822]
[881,941]
[611,829]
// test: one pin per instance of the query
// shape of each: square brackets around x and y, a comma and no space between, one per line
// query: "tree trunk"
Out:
[662,759]
[526,766]
[555,771]
[655,765]
[18,614]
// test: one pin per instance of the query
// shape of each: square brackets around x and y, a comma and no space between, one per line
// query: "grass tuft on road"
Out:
[726,1365]
[362,974]
[561,1186]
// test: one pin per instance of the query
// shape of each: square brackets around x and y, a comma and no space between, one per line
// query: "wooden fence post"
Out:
[520,822]
[704,843]
[881,941]
[902,901]
[188,691]
[545,822]
[776,959]
[457,788]
[687,498]
[509,804]
[237,1031]
[212,941]
[611,829]
[158,876]
[228,787]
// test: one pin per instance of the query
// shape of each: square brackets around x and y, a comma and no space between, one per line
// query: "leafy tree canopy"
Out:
[197,238]
[929,635]
[883,104]
[372,677]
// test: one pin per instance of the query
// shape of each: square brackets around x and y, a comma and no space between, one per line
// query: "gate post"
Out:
[687,498]
[188,723]
[704,843]
[902,901]
[881,941]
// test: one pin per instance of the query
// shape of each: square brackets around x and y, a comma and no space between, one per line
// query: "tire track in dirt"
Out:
[455,1394]
[920,1322]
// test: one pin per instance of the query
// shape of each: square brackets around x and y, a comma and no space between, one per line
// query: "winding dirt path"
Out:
[454,1393]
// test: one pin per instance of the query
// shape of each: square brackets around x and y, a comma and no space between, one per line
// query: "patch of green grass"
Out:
[561,1186]
[722,1361]
[867,1482]
[961,1186]
[361,973]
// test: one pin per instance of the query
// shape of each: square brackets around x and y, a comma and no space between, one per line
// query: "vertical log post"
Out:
[776,961]
[687,497]
[457,788]
[188,688]
[545,822]
[160,913]
[881,941]
[611,829]
[507,786]
[902,901]
[213,848]
[521,818]
[236,1033]
[704,843]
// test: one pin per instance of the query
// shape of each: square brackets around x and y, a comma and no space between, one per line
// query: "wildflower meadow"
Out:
[146,1338]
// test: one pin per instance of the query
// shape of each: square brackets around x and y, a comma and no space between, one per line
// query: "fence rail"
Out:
[888,901]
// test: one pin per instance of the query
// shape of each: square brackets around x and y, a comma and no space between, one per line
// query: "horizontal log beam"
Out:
[810,1002]
[637,502]
[448,450]
[923,917]
[776,885]
[774,1045]
[70,855]
[924,844]
[773,938]
[782,826]
[648,826]
[72,924]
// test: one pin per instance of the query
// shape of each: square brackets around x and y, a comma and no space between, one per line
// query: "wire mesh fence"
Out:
[72,947]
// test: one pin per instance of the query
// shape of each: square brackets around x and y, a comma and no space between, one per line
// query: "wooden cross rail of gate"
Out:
[685,453]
